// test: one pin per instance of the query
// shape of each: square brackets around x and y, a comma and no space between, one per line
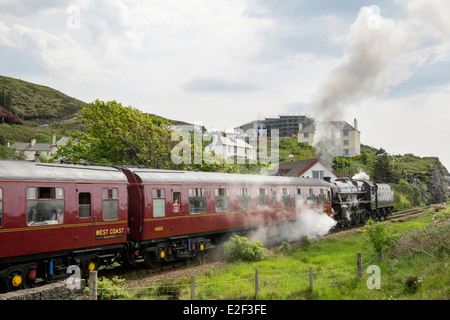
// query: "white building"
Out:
[310,168]
[346,141]
[231,147]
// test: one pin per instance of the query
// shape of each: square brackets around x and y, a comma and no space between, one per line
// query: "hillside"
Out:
[36,102]
[416,181]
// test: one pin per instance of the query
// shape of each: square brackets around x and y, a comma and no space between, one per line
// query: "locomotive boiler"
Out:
[355,201]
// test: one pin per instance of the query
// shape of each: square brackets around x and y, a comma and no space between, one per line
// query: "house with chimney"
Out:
[32,150]
[345,142]
[231,147]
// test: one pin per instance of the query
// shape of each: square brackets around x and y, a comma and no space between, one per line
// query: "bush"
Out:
[433,240]
[381,237]
[240,248]
[111,289]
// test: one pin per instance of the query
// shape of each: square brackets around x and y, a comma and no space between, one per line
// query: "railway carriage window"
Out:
[45,206]
[285,198]
[1,207]
[197,200]
[299,201]
[110,204]
[263,199]
[222,200]
[274,199]
[176,204]
[243,199]
[159,203]
[84,204]
[321,197]
[311,198]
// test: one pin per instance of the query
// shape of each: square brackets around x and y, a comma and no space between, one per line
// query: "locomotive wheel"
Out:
[150,260]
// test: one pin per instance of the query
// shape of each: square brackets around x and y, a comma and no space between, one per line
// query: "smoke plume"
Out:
[309,222]
[380,54]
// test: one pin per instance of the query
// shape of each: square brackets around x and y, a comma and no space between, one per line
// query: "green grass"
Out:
[283,274]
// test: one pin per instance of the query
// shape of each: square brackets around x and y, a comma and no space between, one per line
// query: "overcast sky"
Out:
[225,63]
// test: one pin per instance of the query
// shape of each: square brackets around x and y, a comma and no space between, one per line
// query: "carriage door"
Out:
[85,217]
[176,210]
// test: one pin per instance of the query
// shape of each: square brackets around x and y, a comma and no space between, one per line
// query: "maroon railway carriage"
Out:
[174,214]
[53,216]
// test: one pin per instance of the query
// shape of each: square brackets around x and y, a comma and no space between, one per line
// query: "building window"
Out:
[346,143]
[345,133]
[317,174]
[45,206]
[346,152]
[243,199]
[306,135]
[222,200]
[197,200]
[159,203]
[110,204]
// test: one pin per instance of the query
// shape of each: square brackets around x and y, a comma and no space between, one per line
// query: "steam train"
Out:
[54,217]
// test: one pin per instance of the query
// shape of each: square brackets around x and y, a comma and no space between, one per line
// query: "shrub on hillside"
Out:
[240,248]
[380,236]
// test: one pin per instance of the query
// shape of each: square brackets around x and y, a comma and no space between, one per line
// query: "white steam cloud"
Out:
[361,175]
[380,54]
[309,222]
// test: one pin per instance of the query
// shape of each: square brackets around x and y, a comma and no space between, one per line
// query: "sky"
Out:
[225,63]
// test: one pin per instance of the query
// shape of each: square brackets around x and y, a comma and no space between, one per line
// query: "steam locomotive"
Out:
[355,201]
[60,217]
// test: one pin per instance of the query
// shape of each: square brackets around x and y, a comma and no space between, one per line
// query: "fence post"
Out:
[256,283]
[359,264]
[192,288]
[93,285]
[311,278]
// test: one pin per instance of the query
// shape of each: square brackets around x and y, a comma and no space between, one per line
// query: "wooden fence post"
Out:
[256,283]
[359,264]
[311,279]
[93,285]
[192,288]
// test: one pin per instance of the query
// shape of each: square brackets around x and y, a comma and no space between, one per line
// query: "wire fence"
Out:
[261,284]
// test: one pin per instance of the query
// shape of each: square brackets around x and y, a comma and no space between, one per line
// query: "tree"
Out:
[120,135]
[382,170]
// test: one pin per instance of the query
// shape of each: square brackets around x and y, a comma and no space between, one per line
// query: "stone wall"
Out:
[53,291]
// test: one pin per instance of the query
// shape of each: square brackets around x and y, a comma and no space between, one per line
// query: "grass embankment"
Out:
[417,268]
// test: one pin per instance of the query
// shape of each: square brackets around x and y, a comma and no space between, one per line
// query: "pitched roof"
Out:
[299,167]
[26,146]
[233,142]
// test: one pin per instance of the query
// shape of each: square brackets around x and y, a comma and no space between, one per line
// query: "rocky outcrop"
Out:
[434,185]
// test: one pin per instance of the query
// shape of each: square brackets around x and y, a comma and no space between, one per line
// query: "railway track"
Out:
[408,213]
[178,268]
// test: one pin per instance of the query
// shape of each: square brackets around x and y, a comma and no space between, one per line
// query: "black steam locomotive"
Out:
[355,201]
